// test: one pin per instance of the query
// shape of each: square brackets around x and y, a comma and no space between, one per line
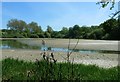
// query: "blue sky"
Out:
[56,14]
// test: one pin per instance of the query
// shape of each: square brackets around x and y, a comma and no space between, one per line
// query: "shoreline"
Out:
[100,59]
[106,45]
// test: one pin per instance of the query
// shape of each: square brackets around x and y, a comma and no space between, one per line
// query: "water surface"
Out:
[14,44]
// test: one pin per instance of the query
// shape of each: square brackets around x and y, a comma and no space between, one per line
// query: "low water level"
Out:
[13,44]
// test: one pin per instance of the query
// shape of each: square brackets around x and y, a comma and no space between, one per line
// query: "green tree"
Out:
[47,35]
[64,32]
[115,33]
[70,35]
[34,28]
[76,31]
[84,31]
[50,31]
[110,29]
[55,34]
[109,25]
[16,25]
[96,34]
[104,3]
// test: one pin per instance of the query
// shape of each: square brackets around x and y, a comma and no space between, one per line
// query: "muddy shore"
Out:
[99,59]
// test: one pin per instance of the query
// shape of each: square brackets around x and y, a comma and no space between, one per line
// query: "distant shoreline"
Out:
[63,43]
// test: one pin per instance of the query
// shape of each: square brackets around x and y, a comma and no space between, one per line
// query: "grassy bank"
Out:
[13,69]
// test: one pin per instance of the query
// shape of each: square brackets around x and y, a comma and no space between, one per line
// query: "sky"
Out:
[56,14]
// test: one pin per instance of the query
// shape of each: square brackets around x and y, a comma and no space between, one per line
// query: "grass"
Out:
[14,69]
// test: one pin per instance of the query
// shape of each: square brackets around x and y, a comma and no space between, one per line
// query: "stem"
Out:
[74,47]
[68,54]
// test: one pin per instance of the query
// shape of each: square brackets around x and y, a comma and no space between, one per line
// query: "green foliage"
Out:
[96,34]
[76,31]
[14,69]
[109,25]
[1,33]
[16,25]
[111,29]
[106,36]
[49,29]
[34,28]
[64,32]
[49,32]
[108,30]
[105,3]
[47,35]
[57,34]
[41,35]
[34,36]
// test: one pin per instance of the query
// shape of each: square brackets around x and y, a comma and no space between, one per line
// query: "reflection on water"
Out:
[13,44]
[66,50]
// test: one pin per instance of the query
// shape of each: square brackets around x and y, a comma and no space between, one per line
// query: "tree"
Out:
[34,28]
[55,34]
[106,26]
[16,25]
[76,31]
[84,31]
[47,35]
[111,29]
[104,3]
[96,34]
[64,32]
[70,35]
[109,25]
[34,36]
[50,31]
[115,33]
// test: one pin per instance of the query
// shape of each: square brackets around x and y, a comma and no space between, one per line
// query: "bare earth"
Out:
[63,43]
[99,59]
[83,44]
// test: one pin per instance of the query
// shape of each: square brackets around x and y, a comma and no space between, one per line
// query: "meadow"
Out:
[14,69]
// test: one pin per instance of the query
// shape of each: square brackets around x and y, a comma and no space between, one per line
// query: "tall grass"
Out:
[14,69]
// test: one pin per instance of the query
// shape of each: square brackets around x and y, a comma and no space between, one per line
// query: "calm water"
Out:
[13,44]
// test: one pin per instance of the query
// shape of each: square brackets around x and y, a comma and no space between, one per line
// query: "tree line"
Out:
[108,30]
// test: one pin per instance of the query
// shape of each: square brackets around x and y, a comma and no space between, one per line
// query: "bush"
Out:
[41,35]
[106,37]
[34,36]
[25,35]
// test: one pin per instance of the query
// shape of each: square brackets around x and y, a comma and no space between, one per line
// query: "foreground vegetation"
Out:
[14,69]
[108,30]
